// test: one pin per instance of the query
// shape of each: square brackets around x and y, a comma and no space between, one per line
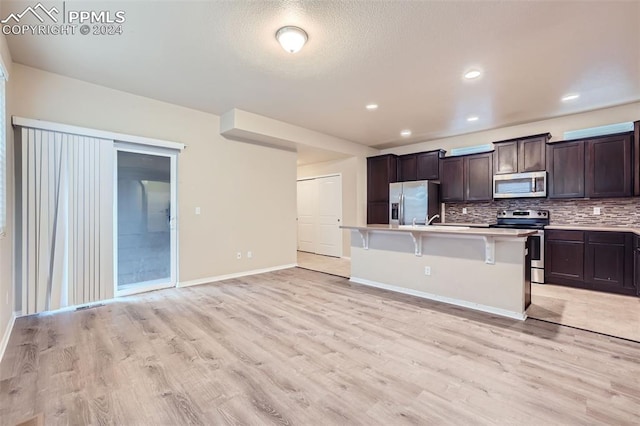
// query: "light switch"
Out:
[464,210]
[596,210]
[197,210]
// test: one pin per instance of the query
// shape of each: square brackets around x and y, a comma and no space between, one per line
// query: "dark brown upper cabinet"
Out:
[479,177]
[381,171]
[608,166]
[428,164]
[599,167]
[420,166]
[407,168]
[505,157]
[452,179]
[466,178]
[520,155]
[565,164]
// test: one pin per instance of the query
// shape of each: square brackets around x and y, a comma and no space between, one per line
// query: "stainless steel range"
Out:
[528,219]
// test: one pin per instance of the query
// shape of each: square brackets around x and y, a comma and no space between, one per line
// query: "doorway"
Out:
[146,243]
[320,215]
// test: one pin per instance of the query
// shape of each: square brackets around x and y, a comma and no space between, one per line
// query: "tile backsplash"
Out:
[613,211]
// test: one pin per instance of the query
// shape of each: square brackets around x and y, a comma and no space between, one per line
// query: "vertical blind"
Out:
[3,157]
[66,191]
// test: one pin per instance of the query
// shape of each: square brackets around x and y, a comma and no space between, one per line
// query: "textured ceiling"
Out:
[408,57]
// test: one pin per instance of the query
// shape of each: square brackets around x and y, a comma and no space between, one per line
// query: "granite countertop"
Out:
[459,230]
[609,228]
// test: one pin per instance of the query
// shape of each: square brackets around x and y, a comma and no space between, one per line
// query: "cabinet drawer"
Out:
[616,238]
[564,235]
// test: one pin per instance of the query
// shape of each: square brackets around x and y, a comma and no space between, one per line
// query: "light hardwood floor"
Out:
[612,314]
[331,265]
[301,347]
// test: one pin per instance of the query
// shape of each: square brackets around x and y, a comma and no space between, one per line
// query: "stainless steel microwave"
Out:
[520,185]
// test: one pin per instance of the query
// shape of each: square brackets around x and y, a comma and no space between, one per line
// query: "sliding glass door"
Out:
[145,219]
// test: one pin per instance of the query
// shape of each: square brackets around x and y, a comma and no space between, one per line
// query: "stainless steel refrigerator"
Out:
[413,202]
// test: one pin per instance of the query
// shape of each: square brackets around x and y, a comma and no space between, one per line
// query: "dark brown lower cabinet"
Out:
[564,257]
[609,262]
[594,260]
[636,268]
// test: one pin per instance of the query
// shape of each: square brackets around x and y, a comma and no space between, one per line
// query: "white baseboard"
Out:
[234,275]
[7,335]
[449,300]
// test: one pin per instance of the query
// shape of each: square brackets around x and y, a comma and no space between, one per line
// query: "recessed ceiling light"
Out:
[473,118]
[471,74]
[571,97]
[405,133]
[371,107]
[291,38]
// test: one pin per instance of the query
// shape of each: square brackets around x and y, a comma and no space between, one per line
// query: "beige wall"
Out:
[247,193]
[556,126]
[353,171]
[6,242]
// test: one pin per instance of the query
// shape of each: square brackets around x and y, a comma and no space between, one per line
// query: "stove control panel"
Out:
[523,214]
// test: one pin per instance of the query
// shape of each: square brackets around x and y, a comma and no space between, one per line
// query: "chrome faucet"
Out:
[414,221]
[435,216]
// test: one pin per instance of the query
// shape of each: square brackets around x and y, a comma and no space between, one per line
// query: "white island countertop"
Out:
[451,230]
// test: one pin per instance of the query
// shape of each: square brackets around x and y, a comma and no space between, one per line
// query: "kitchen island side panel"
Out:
[457,269]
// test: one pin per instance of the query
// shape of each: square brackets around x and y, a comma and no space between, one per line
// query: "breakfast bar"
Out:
[485,269]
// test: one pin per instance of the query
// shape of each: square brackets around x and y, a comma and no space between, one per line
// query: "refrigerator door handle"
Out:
[401,210]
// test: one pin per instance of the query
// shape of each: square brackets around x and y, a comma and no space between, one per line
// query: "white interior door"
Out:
[329,237]
[320,215]
[307,215]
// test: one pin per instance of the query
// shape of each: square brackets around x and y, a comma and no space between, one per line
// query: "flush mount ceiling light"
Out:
[471,74]
[571,97]
[405,133]
[473,118]
[291,38]
[371,107]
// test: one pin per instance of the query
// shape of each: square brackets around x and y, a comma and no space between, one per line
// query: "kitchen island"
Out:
[485,269]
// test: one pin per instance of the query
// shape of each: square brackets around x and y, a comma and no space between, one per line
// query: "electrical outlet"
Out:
[249,255]
[197,210]
[596,210]
[239,255]
[464,210]
[427,270]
